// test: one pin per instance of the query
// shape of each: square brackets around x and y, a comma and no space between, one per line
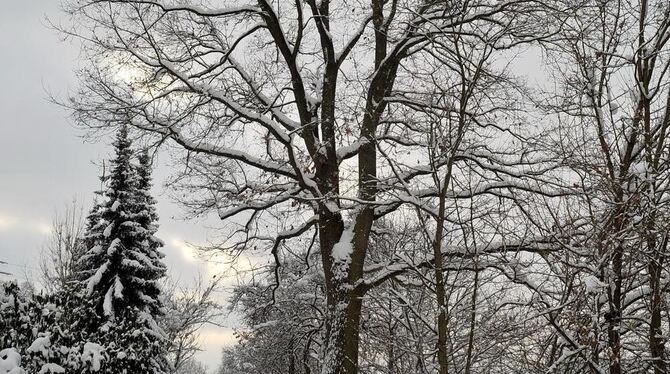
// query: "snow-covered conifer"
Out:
[122,266]
[119,273]
[146,216]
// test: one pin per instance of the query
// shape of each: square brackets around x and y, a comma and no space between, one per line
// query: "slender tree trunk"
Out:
[390,360]
[440,292]
[614,318]
[473,316]
[291,362]
[656,342]
[442,322]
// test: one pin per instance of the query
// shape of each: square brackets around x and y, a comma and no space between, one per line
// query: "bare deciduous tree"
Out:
[612,116]
[63,248]
[306,117]
[187,310]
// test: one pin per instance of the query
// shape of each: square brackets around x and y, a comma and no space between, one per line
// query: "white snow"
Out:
[593,284]
[351,149]
[115,206]
[342,250]
[42,345]
[118,288]
[93,354]
[108,230]
[332,206]
[267,324]
[113,246]
[107,305]
[131,263]
[51,368]
[96,278]
[10,362]
[639,169]
[209,11]
[97,249]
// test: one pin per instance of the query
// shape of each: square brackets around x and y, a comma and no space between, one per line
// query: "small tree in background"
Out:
[186,311]
[62,249]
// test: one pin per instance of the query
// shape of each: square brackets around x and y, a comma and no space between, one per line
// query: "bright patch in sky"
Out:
[44,228]
[218,336]
[229,268]
[215,265]
[10,222]
[128,74]
[187,251]
[123,69]
[6,221]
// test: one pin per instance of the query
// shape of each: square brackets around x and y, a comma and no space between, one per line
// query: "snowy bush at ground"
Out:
[10,362]
[51,368]
[41,345]
[93,354]
[41,338]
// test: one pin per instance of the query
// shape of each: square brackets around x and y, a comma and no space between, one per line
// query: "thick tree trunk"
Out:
[344,301]
[344,294]
[342,332]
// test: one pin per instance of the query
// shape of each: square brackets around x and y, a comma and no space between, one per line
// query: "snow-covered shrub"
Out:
[26,324]
[132,344]
[39,336]
[10,362]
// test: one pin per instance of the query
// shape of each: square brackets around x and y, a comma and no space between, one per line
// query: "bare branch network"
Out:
[394,154]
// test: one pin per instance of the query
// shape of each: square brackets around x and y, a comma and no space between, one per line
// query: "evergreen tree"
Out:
[93,218]
[107,267]
[119,273]
[105,320]
[147,218]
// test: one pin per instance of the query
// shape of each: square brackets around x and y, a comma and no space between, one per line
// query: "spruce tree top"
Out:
[122,266]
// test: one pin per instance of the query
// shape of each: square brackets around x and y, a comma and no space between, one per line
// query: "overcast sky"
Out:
[45,162]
